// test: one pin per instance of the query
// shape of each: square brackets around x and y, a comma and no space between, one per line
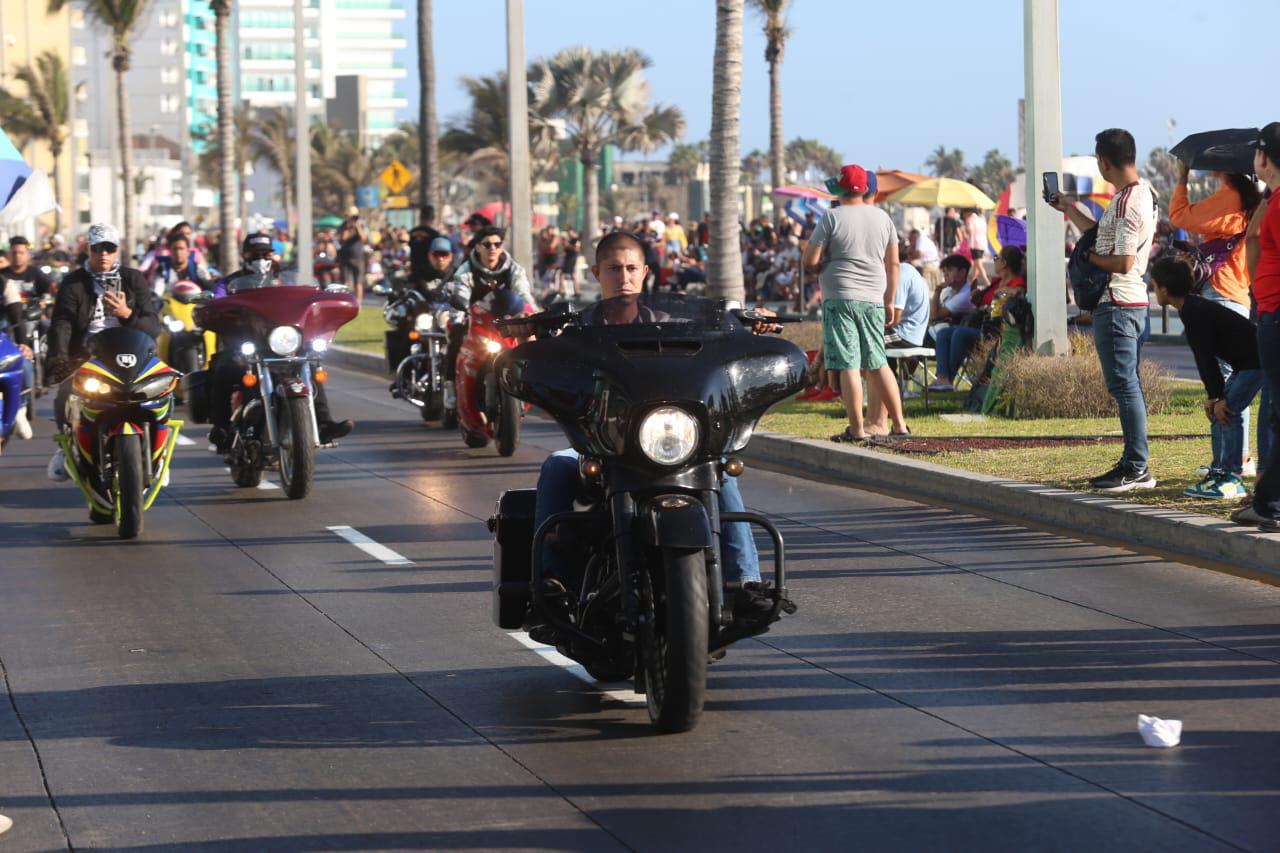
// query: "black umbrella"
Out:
[1219,150]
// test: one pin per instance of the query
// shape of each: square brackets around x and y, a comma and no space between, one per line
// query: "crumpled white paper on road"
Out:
[1158,732]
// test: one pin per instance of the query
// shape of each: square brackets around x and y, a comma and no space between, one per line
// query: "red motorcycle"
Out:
[284,331]
[486,412]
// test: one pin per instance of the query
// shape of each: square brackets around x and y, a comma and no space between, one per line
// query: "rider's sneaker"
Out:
[335,430]
[57,469]
[22,426]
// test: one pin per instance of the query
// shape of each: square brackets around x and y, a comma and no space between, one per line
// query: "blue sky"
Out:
[885,83]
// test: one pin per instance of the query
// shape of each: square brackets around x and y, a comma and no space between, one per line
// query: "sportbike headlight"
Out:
[423,322]
[155,386]
[284,340]
[91,386]
[493,346]
[175,325]
[669,435]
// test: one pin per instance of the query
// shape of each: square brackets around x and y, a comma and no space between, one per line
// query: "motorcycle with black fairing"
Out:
[657,399]
[415,346]
[121,435]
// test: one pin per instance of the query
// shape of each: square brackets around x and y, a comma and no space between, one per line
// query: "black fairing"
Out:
[598,382]
[106,345]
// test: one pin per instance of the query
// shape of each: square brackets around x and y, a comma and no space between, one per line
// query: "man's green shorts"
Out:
[852,335]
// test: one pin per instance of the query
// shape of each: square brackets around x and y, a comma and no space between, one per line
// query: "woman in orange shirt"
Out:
[1223,215]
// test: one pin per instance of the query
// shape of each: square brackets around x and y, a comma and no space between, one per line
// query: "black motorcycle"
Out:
[415,347]
[657,399]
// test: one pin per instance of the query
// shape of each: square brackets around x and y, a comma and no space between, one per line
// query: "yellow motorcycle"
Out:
[183,344]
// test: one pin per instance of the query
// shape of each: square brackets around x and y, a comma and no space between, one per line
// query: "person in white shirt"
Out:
[924,257]
[1124,237]
[975,227]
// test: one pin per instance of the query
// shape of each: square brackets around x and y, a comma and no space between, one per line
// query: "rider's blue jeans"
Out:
[558,483]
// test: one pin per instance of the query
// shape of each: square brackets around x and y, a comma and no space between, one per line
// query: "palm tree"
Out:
[603,99]
[804,155]
[775,34]
[428,131]
[481,135]
[724,263]
[754,163]
[271,138]
[210,166]
[993,175]
[946,164]
[43,116]
[227,167]
[685,159]
[121,17]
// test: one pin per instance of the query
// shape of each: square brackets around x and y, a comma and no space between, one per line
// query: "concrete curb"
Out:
[1088,515]
[354,359]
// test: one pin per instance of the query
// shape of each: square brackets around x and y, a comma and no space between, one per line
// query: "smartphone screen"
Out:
[1050,180]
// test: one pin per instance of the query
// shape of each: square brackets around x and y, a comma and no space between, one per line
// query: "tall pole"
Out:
[518,128]
[302,147]
[1046,232]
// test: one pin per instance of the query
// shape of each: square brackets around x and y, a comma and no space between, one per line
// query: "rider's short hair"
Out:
[617,241]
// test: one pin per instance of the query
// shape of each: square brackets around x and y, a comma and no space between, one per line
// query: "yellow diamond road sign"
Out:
[396,177]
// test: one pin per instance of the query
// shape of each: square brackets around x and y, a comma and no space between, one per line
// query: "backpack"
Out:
[1088,282]
[1207,258]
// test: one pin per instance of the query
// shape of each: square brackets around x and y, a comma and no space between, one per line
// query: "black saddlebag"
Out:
[512,526]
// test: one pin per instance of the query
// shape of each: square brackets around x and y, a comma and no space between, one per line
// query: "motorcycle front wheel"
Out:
[675,653]
[130,485]
[297,450]
[508,425]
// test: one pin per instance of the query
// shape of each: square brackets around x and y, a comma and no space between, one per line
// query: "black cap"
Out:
[1269,140]
[254,241]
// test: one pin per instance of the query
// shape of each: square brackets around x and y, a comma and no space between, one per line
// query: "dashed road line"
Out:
[373,549]
[577,670]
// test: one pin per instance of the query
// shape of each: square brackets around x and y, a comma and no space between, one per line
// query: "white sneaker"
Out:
[1248,468]
[1204,470]
[57,469]
[22,426]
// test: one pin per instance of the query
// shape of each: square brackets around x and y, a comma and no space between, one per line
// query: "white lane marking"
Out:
[183,441]
[265,484]
[577,670]
[373,549]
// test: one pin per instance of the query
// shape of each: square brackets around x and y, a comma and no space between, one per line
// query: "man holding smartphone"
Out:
[1123,246]
[101,295]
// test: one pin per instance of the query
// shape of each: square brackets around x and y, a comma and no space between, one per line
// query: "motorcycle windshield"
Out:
[252,314]
[624,357]
[124,351]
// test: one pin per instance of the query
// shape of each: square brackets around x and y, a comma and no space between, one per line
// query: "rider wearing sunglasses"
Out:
[487,270]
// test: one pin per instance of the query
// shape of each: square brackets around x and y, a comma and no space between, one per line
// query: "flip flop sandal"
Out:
[847,437]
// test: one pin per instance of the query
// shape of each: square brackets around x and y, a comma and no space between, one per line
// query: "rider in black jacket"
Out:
[101,295]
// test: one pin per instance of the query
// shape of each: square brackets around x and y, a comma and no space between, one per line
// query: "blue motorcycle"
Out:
[12,397]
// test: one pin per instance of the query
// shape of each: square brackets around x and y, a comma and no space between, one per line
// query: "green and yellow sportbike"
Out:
[121,437]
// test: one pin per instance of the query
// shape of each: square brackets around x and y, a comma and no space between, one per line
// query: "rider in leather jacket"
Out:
[226,366]
[486,270]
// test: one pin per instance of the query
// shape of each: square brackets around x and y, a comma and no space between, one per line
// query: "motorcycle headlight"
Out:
[284,340]
[319,345]
[442,319]
[247,348]
[175,325]
[155,386]
[91,386]
[669,435]
[423,322]
[493,346]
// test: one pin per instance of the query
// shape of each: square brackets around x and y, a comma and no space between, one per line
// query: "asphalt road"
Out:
[243,678]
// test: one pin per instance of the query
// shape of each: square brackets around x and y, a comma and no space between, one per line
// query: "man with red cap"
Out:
[859,280]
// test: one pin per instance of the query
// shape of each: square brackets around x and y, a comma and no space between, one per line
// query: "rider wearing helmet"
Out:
[485,273]
[227,365]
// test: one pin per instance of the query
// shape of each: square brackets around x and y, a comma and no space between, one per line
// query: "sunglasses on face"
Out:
[104,247]
[491,245]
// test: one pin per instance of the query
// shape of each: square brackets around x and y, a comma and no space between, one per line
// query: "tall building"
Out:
[173,96]
[344,38]
[26,31]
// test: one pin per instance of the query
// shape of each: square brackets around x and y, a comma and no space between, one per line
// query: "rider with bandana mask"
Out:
[103,294]
[487,271]
[227,367]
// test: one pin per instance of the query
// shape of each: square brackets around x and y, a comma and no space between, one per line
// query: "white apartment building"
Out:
[343,37]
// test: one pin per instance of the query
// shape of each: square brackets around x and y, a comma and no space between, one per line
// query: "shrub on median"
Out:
[1071,386]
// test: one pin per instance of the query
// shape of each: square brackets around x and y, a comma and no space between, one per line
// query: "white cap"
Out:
[617,219]
[674,215]
[101,232]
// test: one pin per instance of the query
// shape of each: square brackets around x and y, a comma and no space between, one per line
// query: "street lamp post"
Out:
[1046,232]
[302,147]
[518,128]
